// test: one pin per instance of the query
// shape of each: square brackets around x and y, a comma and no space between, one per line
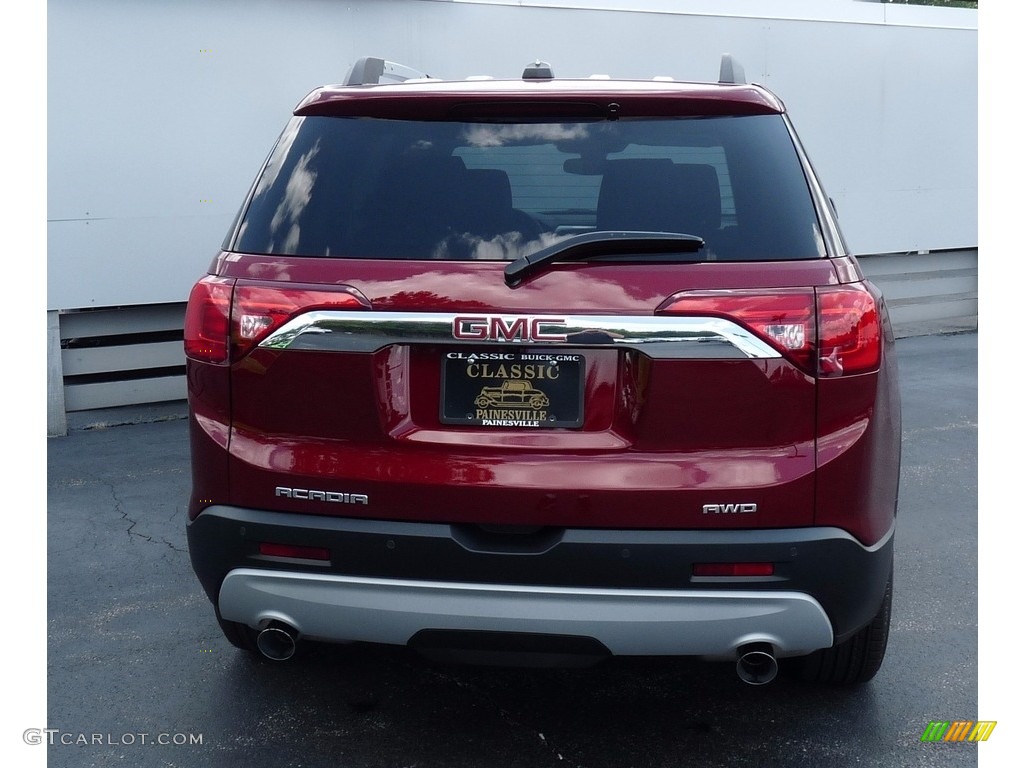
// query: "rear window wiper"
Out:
[598,244]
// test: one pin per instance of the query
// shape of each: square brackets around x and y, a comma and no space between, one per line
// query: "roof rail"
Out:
[731,71]
[372,71]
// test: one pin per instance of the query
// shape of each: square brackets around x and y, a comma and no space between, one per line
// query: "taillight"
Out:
[207,320]
[849,331]
[784,318]
[260,309]
[225,318]
[828,332]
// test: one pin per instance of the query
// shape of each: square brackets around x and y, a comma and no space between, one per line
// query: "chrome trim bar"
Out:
[627,621]
[657,336]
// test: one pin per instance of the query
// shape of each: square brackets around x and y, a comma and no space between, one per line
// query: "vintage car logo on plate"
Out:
[512,389]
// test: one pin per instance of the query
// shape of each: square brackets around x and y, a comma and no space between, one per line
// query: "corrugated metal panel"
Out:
[116,321]
[927,292]
[127,357]
[84,397]
[120,356]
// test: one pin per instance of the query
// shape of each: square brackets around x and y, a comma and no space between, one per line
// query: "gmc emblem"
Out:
[497,328]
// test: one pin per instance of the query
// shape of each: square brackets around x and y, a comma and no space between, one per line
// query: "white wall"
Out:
[159,114]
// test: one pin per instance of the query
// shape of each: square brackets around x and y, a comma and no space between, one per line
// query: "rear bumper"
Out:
[632,590]
[626,622]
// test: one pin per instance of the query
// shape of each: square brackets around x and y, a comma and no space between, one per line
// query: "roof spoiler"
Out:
[731,71]
[370,70]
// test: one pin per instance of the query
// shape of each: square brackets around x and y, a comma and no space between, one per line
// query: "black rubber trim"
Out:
[508,649]
[845,577]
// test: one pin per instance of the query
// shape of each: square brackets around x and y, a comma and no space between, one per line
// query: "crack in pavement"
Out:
[119,507]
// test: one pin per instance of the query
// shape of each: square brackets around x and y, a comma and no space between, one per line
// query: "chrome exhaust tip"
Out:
[278,641]
[757,664]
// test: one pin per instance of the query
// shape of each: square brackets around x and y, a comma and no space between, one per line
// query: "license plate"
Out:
[517,389]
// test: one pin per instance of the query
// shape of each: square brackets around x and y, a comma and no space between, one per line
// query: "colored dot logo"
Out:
[958,730]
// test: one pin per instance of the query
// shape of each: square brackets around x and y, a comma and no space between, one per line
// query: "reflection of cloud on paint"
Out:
[758,469]
[835,444]
[279,157]
[269,270]
[296,197]
[504,247]
[481,135]
[482,285]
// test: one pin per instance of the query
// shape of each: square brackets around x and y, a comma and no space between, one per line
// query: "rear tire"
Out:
[854,661]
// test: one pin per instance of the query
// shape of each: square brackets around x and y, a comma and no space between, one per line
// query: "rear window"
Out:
[398,189]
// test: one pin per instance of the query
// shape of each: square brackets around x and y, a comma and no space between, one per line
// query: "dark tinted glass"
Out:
[390,189]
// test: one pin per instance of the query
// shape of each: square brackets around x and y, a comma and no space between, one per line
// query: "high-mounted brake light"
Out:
[827,332]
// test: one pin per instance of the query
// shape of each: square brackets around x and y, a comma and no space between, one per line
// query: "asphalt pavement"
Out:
[140,675]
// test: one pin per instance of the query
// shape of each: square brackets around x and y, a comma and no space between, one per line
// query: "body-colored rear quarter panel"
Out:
[209,397]
[859,447]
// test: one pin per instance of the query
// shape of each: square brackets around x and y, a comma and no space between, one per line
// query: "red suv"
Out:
[540,371]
